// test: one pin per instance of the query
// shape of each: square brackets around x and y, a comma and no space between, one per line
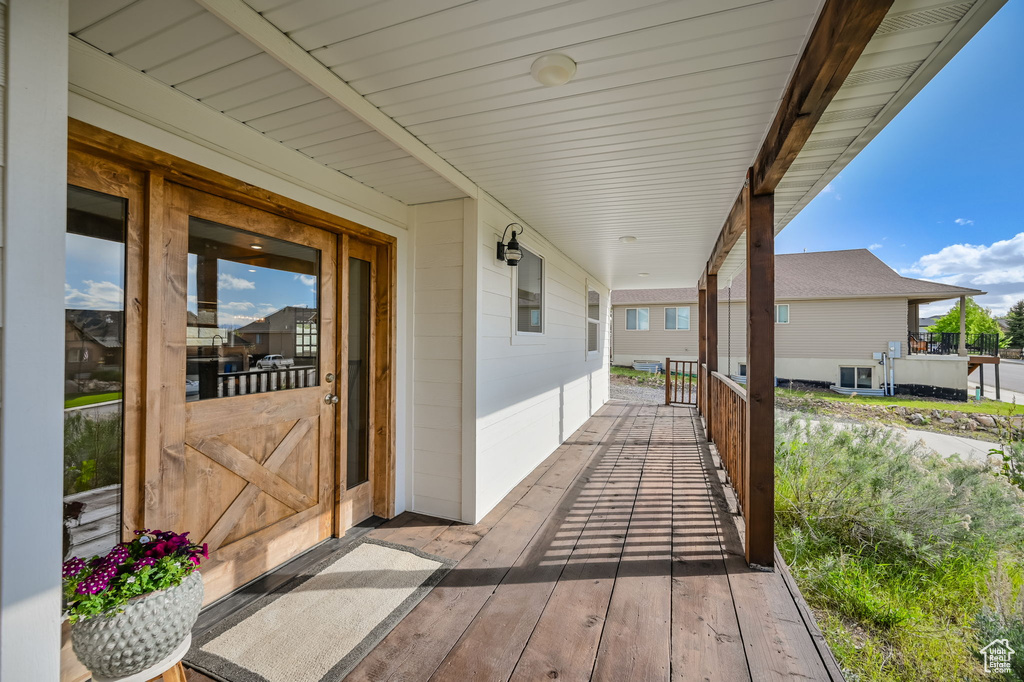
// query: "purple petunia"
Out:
[118,555]
[143,563]
[72,567]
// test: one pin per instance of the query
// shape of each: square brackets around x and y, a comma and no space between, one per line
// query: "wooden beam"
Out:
[759,469]
[734,226]
[840,35]
[251,24]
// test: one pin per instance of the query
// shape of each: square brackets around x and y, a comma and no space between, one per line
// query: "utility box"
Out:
[895,349]
[877,356]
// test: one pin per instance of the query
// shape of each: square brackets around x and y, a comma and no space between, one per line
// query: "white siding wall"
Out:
[437,402]
[532,391]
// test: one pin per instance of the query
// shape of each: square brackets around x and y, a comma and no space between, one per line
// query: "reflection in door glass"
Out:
[93,371]
[252,313]
[358,372]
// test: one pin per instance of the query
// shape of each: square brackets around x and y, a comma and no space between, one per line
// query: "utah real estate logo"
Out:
[997,656]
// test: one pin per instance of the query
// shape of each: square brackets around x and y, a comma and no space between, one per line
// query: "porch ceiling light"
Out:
[628,239]
[643,274]
[256,246]
[510,252]
[553,69]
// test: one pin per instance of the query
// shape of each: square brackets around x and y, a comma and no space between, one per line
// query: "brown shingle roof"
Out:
[822,274]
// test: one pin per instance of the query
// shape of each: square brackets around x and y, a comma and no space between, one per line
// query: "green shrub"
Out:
[92,451]
[896,549]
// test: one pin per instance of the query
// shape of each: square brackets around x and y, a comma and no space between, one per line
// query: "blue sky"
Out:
[95,276]
[937,193]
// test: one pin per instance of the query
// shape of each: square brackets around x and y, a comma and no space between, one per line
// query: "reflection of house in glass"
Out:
[93,352]
[290,332]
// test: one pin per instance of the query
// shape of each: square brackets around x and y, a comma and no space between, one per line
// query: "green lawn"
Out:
[82,401]
[920,404]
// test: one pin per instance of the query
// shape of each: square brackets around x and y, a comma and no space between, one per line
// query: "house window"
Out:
[782,313]
[743,369]
[305,339]
[530,293]
[593,320]
[677,318]
[638,319]
[855,377]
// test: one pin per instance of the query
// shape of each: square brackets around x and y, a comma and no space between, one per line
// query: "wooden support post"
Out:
[702,350]
[759,470]
[668,381]
[711,344]
[981,378]
[962,350]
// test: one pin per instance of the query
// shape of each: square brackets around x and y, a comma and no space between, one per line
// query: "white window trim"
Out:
[588,320]
[677,307]
[871,369]
[519,338]
[777,306]
[625,320]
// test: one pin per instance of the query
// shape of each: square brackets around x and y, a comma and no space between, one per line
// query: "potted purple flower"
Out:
[134,606]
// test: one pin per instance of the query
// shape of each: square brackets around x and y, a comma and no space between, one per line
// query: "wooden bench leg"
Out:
[175,674]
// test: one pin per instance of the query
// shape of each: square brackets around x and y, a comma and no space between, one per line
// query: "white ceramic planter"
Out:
[149,628]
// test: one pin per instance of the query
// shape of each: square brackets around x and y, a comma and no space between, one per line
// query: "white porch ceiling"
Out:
[651,138]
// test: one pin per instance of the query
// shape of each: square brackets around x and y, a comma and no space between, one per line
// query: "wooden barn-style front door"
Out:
[250,381]
[258,338]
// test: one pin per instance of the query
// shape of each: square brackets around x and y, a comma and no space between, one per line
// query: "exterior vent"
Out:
[882,74]
[850,114]
[926,17]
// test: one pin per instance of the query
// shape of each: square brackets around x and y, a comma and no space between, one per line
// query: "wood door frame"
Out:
[93,147]
[116,179]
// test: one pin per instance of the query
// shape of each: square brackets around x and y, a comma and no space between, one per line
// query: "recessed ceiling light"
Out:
[256,246]
[252,270]
[553,69]
[628,239]
[643,274]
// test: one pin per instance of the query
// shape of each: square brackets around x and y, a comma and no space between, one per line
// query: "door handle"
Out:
[331,399]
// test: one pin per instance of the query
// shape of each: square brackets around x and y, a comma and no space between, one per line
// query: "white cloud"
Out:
[963,221]
[307,280]
[874,247]
[997,268]
[226,281]
[830,189]
[96,296]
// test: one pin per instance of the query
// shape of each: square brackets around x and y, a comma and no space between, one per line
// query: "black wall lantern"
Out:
[510,253]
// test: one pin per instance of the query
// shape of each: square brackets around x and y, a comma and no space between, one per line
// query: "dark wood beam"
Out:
[759,469]
[840,35]
[837,40]
[734,226]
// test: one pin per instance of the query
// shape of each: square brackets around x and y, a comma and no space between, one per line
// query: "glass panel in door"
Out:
[358,447]
[252,315]
[93,371]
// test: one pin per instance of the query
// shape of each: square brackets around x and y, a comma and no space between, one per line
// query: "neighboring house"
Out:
[289,332]
[177,154]
[834,310]
[927,322]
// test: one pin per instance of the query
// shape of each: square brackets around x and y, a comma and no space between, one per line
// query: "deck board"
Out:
[616,559]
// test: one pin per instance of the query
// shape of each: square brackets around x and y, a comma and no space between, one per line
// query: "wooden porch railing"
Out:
[727,428]
[680,382]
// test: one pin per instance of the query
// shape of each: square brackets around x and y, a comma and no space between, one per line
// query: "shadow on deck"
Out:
[615,559]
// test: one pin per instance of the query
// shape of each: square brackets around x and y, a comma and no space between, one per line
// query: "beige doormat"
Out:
[320,624]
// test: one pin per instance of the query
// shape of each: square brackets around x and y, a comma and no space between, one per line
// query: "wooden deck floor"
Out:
[616,559]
